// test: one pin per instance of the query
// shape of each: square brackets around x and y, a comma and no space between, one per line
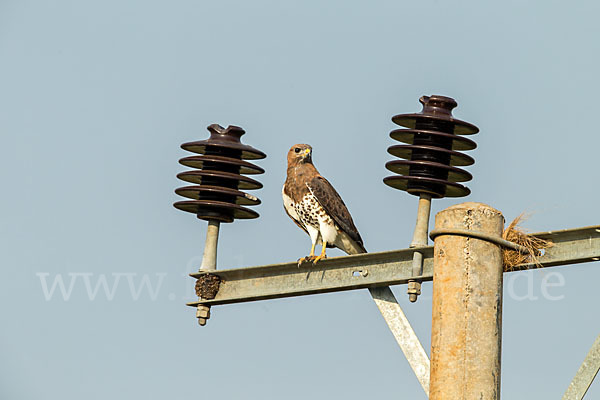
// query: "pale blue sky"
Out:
[97,96]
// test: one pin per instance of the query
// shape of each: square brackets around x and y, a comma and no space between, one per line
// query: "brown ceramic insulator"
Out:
[432,150]
[218,176]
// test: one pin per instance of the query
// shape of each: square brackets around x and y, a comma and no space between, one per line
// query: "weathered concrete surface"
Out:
[467,306]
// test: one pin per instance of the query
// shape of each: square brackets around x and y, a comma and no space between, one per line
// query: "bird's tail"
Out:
[350,246]
[357,248]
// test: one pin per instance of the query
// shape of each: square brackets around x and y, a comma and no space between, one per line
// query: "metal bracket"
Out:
[482,236]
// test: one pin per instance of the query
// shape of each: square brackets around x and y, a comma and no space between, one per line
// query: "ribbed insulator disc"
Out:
[437,110]
[432,150]
[218,177]
[228,179]
[226,144]
[402,167]
[408,136]
[204,192]
[418,184]
[219,163]
[406,151]
[217,210]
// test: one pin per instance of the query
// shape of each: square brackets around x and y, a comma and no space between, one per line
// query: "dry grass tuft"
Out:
[516,234]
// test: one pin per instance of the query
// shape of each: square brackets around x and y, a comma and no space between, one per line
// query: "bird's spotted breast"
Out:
[310,211]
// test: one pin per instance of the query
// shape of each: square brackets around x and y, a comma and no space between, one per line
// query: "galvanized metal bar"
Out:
[586,374]
[571,246]
[403,333]
[209,263]
[419,240]
[328,275]
[209,257]
[466,324]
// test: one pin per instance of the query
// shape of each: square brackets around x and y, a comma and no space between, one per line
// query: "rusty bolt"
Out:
[203,312]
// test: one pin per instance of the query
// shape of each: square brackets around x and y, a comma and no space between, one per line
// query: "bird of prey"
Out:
[314,205]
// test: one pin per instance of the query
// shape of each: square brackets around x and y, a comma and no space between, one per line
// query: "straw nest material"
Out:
[516,234]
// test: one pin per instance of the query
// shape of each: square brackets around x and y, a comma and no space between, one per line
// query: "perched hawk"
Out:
[314,205]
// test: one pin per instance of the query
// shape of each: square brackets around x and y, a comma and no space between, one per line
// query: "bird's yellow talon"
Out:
[306,259]
[318,258]
[322,255]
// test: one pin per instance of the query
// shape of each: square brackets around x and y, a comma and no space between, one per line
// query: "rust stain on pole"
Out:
[467,306]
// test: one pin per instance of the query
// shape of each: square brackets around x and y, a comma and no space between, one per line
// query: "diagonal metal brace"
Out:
[403,333]
[585,375]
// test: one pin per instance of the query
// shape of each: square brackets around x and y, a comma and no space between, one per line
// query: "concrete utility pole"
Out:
[467,306]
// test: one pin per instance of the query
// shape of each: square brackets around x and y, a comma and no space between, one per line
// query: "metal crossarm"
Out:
[571,246]
[329,275]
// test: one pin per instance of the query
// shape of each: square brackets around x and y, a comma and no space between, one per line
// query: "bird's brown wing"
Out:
[333,204]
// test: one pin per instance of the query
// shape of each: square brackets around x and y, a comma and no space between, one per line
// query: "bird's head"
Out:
[299,153]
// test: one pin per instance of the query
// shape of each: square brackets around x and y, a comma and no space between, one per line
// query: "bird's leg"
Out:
[322,255]
[309,257]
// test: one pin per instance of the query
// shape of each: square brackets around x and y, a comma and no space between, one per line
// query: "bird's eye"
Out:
[297,150]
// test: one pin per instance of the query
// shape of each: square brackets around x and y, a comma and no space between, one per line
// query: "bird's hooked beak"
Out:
[306,154]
